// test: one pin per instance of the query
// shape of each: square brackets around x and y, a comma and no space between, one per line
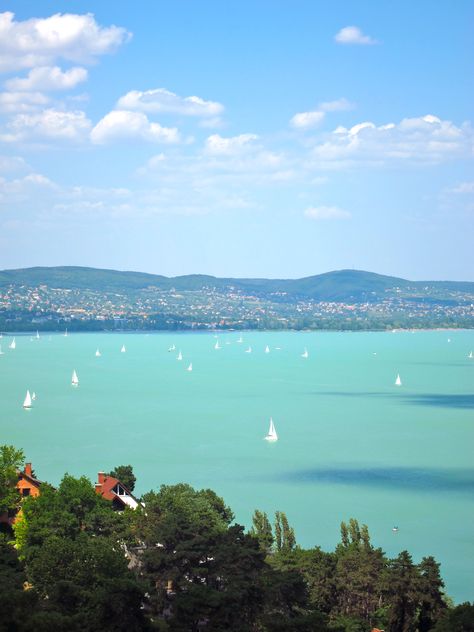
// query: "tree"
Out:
[431,594]
[125,475]
[262,530]
[11,461]
[458,619]
[402,587]
[284,534]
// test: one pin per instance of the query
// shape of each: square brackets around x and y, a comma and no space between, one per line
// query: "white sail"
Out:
[305,353]
[240,339]
[37,335]
[180,356]
[65,333]
[267,349]
[272,433]
[97,354]
[12,344]
[33,396]
[470,355]
[27,402]
[74,379]
[190,367]
[217,346]
[123,350]
[398,381]
[249,350]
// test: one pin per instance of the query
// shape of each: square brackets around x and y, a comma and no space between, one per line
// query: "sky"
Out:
[245,138]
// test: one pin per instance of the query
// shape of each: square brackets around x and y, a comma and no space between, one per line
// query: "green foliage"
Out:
[262,530]
[284,534]
[11,460]
[458,619]
[125,475]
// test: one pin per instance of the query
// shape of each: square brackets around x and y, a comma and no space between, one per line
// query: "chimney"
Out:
[101,476]
[28,469]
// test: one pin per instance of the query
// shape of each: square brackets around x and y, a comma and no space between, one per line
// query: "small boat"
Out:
[272,433]
[123,350]
[240,340]
[33,396]
[190,367]
[172,348]
[267,349]
[449,339]
[394,529]
[179,356]
[27,402]
[305,353]
[97,354]
[398,381]
[74,379]
[217,345]
[470,356]
[12,344]
[249,350]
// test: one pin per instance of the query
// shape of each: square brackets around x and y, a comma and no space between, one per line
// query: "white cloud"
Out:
[160,100]
[123,124]
[40,41]
[326,212]
[15,102]
[423,140]
[462,187]
[10,164]
[48,78]
[339,105]
[307,120]
[353,35]
[219,145]
[48,125]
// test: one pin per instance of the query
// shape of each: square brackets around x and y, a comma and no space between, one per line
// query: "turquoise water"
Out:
[351,443]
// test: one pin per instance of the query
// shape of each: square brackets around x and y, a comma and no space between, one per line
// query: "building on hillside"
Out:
[112,489]
[28,485]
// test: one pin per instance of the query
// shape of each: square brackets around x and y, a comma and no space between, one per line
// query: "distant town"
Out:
[44,306]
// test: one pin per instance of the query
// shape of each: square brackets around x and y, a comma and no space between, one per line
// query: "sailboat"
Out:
[240,339]
[33,396]
[179,356]
[217,345]
[37,335]
[74,379]
[267,349]
[470,356]
[123,350]
[398,381]
[249,350]
[190,367]
[272,433]
[12,344]
[27,402]
[305,353]
[65,333]
[172,348]
[97,354]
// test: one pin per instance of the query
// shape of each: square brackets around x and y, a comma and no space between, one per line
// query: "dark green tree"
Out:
[458,619]
[284,534]
[431,594]
[402,586]
[125,475]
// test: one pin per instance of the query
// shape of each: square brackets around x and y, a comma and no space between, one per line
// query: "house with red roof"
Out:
[28,485]
[114,490]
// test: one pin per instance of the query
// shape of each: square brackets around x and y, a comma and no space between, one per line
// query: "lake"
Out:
[351,442]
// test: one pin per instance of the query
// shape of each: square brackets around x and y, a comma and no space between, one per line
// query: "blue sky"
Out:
[254,138]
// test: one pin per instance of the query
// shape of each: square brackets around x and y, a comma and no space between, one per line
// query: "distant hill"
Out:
[340,285]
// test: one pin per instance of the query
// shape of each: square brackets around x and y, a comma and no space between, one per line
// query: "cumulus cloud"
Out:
[40,41]
[326,212]
[307,120]
[160,100]
[15,102]
[13,164]
[424,140]
[49,124]
[219,145]
[123,124]
[353,35]
[339,105]
[48,78]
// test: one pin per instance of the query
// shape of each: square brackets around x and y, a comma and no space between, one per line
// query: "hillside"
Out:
[341,285]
